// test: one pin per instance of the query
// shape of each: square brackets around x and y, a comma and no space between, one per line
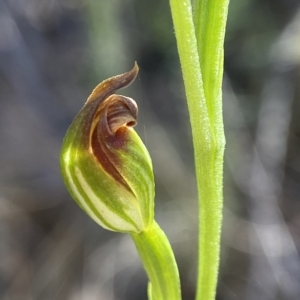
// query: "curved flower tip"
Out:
[105,165]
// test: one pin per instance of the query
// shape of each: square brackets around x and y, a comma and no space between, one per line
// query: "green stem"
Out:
[202,67]
[210,23]
[159,262]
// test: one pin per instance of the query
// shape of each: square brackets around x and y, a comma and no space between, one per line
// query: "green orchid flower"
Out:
[105,165]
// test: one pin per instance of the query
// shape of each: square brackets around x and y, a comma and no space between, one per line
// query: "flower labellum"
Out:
[105,165]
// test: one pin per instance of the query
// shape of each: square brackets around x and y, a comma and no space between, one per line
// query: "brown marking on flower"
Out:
[108,121]
[106,161]
[97,101]
[110,85]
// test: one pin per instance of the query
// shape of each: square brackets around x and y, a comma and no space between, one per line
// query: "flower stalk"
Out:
[159,261]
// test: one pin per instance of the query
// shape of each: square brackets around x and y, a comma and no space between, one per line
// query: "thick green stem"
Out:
[201,57]
[210,22]
[159,262]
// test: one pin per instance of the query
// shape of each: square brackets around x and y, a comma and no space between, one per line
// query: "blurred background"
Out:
[53,53]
